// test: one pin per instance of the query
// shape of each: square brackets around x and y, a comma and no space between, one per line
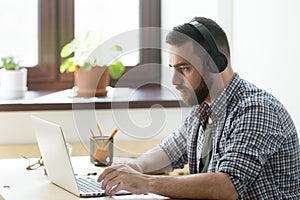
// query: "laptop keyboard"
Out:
[89,185]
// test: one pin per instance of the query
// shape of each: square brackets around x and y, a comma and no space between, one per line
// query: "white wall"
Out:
[266,48]
[134,124]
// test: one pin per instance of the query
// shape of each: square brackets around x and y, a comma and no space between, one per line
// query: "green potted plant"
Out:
[91,75]
[13,79]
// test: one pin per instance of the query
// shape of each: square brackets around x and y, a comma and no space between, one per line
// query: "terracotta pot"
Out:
[92,83]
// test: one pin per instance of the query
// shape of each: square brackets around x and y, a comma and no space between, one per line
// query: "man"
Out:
[239,141]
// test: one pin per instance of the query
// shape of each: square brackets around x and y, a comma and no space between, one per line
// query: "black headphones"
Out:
[217,61]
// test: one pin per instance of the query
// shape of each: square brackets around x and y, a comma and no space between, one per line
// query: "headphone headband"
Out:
[217,61]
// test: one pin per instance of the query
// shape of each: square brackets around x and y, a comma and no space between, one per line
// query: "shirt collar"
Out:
[219,105]
[201,111]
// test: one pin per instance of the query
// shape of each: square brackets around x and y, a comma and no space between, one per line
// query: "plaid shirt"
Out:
[255,142]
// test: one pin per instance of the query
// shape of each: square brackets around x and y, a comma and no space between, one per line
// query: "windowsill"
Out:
[116,98]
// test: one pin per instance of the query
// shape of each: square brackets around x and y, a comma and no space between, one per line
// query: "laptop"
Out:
[57,162]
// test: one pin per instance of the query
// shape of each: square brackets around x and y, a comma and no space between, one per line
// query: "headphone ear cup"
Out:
[216,63]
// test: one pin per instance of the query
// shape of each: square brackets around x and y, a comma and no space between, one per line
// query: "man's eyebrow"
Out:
[179,64]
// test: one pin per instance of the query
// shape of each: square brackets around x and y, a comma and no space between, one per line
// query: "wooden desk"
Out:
[17,183]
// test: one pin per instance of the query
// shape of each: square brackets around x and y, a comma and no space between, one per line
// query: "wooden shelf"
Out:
[116,98]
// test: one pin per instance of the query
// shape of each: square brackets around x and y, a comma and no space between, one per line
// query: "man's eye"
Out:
[184,69]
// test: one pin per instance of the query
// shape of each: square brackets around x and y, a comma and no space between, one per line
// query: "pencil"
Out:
[93,136]
[112,135]
[100,133]
[99,130]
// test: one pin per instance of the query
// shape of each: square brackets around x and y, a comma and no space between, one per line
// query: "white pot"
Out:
[13,83]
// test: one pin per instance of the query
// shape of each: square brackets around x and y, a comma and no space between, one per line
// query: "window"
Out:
[50,24]
[109,21]
[19,30]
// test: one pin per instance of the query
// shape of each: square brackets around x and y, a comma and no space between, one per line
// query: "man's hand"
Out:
[132,165]
[196,186]
[123,177]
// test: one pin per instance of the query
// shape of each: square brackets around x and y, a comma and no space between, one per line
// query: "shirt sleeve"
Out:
[255,136]
[175,145]
[175,148]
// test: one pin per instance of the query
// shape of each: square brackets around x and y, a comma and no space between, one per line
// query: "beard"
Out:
[198,95]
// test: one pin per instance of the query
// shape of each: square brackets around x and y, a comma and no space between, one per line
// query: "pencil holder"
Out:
[101,150]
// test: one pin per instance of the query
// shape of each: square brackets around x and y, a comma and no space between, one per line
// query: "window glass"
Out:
[19,30]
[108,19]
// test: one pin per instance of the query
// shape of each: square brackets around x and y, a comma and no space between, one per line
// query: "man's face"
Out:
[187,78]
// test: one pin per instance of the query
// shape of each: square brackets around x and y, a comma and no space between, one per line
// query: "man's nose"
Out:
[177,78]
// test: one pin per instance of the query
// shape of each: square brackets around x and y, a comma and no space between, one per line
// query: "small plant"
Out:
[10,63]
[77,51]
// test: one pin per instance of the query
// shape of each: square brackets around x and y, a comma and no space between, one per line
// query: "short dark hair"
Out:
[175,36]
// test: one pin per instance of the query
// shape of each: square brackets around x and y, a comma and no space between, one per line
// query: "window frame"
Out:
[56,27]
